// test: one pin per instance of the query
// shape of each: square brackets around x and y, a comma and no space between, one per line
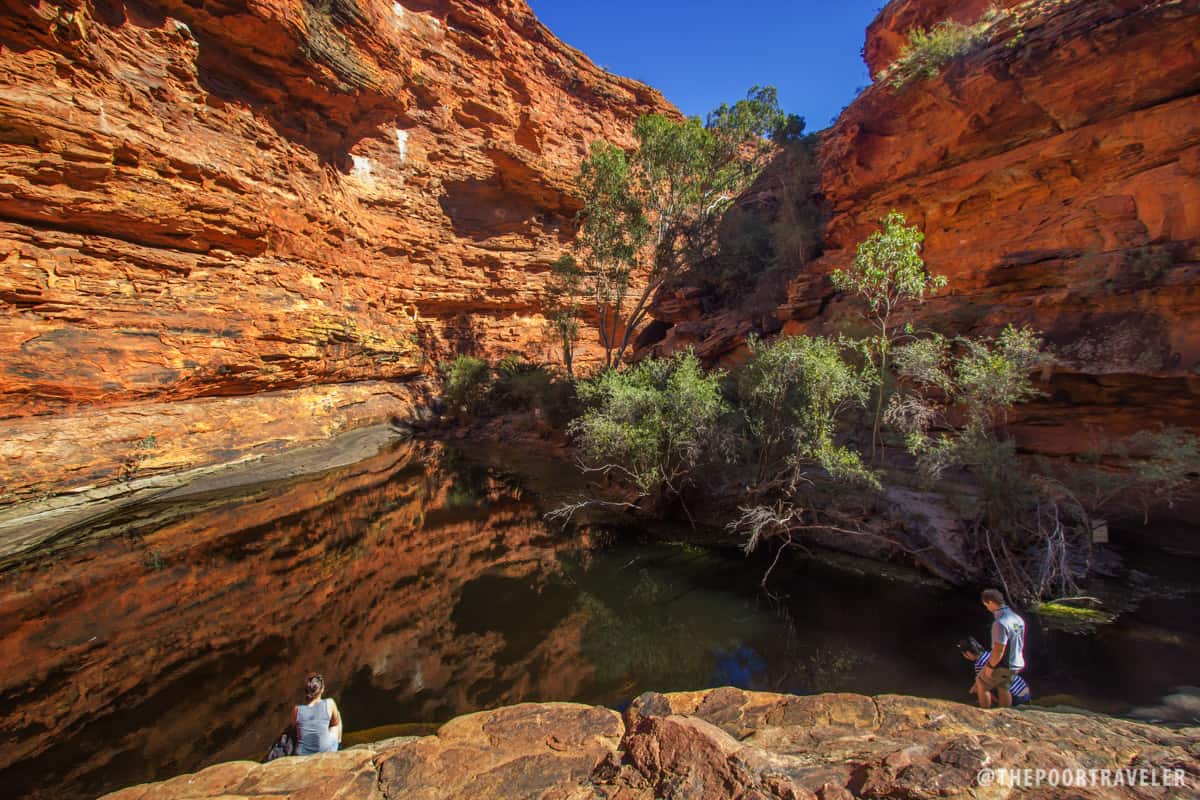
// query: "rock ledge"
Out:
[722,743]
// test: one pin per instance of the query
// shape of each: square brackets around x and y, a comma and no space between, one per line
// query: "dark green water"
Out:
[425,585]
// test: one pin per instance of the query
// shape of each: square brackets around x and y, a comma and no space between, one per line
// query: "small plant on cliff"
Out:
[927,51]
[649,214]
[141,451]
[890,276]
[653,424]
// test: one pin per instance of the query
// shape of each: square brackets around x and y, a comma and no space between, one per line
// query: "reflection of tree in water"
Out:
[654,631]
[473,484]
[801,667]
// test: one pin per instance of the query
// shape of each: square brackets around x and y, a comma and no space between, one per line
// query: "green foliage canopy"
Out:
[980,378]
[654,423]
[793,392]
[656,210]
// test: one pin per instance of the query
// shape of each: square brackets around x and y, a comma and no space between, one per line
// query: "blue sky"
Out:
[701,53]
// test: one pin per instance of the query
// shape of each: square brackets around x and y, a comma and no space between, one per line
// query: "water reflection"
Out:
[177,637]
[421,584]
[424,585]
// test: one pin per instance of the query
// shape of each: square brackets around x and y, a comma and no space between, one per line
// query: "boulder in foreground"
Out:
[729,743]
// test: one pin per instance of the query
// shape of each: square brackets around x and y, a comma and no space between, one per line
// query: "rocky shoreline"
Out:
[730,743]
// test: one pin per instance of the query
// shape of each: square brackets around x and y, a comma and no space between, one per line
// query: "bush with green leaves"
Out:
[974,380]
[794,393]
[927,51]
[466,384]
[889,275]
[654,423]
[524,385]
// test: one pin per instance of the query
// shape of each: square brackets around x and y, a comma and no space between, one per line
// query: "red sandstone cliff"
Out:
[1055,172]
[290,203]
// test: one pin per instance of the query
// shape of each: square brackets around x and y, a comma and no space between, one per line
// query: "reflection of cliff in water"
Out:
[423,586]
[179,638]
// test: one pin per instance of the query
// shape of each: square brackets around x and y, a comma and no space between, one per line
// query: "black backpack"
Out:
[286,745]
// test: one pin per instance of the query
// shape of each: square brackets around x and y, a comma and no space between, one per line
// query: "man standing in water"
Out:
[1007,656]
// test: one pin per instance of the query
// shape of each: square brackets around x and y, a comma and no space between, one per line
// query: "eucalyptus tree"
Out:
[889,274]
[650,213]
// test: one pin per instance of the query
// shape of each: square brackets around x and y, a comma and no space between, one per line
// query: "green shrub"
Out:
[466,385]
[927,51]
[654,423]
[974,380]
[792,393]
[523,385]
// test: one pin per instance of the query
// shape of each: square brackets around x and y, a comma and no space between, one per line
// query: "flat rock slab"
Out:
[726,743]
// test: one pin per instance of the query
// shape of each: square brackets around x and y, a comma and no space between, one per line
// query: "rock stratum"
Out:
[230,228]
[725,743]
[1055,172]
[219,214]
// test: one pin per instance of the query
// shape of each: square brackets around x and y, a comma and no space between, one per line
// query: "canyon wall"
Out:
[298,206]
[1055,172]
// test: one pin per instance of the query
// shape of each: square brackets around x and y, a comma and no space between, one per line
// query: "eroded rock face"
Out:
[225,200]
[723,743]
[1055,175]
[1055,172]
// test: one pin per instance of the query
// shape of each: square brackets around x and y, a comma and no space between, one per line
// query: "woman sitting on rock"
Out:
[318,722]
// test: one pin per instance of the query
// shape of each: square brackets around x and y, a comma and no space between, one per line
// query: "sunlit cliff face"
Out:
[1055,173]
[270,197]
[182,634]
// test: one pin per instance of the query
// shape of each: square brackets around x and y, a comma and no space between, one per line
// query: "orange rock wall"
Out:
[231,198]
[1056,175]
[888,33]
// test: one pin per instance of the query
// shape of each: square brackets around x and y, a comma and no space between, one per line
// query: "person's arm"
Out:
[996,657]
[335,718]
[999,643]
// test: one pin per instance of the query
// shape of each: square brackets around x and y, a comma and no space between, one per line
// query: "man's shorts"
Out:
[1001,676]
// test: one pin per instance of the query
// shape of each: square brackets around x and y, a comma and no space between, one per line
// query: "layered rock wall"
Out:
[251,198]
[1055,172]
